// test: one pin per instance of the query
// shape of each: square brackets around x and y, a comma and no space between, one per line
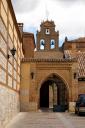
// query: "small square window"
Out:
[48,31]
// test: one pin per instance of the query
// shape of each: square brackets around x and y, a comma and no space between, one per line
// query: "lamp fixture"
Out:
[32,75]
[75,75]
[13,51]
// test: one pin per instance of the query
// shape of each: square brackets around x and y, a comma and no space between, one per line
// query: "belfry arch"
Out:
[54,93]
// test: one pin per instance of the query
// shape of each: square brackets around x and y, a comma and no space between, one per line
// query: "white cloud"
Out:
[68,16]
[25,5]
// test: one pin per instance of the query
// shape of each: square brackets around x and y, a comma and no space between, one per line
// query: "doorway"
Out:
[54,94]
[44,95]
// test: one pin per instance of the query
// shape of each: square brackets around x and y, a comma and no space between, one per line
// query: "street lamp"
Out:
[75,75]
[13,51]
[32,75]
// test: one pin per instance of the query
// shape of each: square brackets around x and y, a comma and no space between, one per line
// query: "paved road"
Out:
[47,120]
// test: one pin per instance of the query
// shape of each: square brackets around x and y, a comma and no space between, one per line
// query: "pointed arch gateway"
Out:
[54,94]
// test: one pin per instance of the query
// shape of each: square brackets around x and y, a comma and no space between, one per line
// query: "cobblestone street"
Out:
[47,120]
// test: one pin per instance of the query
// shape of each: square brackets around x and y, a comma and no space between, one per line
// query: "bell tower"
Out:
[47,37]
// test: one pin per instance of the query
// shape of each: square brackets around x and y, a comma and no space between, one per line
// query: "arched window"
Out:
[42,44]
[52,44]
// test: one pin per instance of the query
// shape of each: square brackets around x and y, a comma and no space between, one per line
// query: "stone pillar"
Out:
[33,105]
[74,95]
[71,106]
[74,88]
[50,97]
[54,94]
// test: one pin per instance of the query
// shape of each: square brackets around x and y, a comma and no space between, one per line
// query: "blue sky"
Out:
[68,15]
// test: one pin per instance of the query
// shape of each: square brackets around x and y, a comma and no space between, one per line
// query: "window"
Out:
[18,87]
[10,32]
[15,32]
[18,69]
[42,44]
[15,64]
[3,45]
[52,44]
[15,43]
[9,68]
[2,76]
[9,81]
[47,31]
[3,61]
[10,19]
[3,29]
[3,14]
[10,42]
[18,61]
[18,78]
[5,4]
[15,74]
[14,84]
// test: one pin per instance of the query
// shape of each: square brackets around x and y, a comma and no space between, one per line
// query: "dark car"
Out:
[80,104]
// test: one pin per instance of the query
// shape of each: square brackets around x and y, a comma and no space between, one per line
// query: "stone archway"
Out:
[54,94]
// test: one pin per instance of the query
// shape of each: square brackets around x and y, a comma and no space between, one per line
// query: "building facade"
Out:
[10,39]
[76,49]
[48,78]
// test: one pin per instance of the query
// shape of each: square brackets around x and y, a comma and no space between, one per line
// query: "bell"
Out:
[52,43]
[42,43]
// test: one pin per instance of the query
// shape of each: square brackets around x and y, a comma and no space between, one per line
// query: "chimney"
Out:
[20,25]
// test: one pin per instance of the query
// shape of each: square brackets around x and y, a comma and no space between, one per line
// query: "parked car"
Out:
[80,104]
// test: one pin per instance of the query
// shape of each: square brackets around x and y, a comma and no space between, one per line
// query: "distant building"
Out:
[76,49]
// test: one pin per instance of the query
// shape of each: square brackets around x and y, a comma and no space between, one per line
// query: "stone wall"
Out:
[24,88]
[9,105]
[30,87]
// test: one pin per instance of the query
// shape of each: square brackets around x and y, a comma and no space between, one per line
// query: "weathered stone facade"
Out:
[9,105]
[47,68]
[76,49]
[43,69]
[10,39]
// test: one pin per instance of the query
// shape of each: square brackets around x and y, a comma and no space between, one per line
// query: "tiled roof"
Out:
[80,56]
[81,63]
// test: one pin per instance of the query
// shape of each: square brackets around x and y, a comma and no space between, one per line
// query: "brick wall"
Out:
[9,105]
[28,45]
[48,54]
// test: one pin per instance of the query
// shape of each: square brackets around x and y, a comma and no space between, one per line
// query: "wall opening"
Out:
[44,95]
[54,94]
